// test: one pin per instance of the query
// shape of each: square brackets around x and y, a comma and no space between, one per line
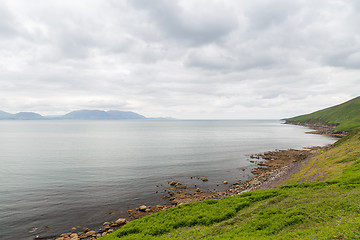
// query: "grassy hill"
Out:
[345,115]
[321,202]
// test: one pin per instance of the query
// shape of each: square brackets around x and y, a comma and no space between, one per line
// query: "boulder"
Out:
[143,208]
[106,223]
[90,234]
[120,221]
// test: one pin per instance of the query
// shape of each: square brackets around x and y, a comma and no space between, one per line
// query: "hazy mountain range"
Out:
[76,115]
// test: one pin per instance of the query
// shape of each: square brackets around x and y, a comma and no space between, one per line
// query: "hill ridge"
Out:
[342,117]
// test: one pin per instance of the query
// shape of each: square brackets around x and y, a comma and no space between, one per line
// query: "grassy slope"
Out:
[346,114]
[326,208]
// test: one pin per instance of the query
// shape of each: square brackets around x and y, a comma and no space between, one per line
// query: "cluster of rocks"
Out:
[80,233]
[280,158]
[270,166]
[143,210]
[321,129]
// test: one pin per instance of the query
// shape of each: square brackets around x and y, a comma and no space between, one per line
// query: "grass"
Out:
[346,116]
[321,202]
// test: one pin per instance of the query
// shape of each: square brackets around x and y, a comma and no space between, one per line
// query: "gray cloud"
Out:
[186,59]
[192,26]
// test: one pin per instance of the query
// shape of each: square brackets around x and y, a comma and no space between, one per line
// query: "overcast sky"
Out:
[185,59]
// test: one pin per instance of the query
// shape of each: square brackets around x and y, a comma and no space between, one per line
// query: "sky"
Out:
[203,59]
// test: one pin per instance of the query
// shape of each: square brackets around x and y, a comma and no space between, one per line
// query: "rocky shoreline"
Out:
[321,129]
[274,168]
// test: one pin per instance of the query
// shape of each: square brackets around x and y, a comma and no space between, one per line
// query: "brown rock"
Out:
[172,183]
[225,182]
[90,234]
[143,208]
[120,221]
[74,236]
[106,223]
[204,179]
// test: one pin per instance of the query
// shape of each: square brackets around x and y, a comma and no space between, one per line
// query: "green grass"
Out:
[322,202]
[345,115]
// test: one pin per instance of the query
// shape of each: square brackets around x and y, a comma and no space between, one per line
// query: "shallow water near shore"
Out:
[55,175]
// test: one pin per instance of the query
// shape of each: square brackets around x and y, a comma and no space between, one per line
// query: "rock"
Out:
[90,234]
[120,221]
[106,223]
[159,206]
[74,236]
[172,183]
[204,179]
[147,210]
[198,190]
[225,182]
[60,238]
[142,208]
[178,184]
[73,229]
[86,229]
[171,192]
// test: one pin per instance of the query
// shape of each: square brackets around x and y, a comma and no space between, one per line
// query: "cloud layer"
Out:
[179,58]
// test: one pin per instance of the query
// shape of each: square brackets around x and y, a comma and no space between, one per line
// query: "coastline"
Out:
[273,169]
[321,129]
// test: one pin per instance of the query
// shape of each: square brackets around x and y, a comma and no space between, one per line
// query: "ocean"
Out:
[55,175]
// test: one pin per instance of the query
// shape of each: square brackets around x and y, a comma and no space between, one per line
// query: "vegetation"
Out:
[321,202]
[346,116]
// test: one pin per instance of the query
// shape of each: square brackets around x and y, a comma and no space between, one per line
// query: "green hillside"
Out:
[345,115]
[321,202]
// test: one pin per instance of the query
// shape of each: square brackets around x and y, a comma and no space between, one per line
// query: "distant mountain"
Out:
[77,115]
[6,115]
[20,116]
[102,115]
[345,116]
[124,115]
[28,116]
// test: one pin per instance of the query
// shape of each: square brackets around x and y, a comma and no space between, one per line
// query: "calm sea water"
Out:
[55,175]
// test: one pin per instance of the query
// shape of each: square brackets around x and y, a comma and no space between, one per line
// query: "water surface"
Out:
[55,175]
